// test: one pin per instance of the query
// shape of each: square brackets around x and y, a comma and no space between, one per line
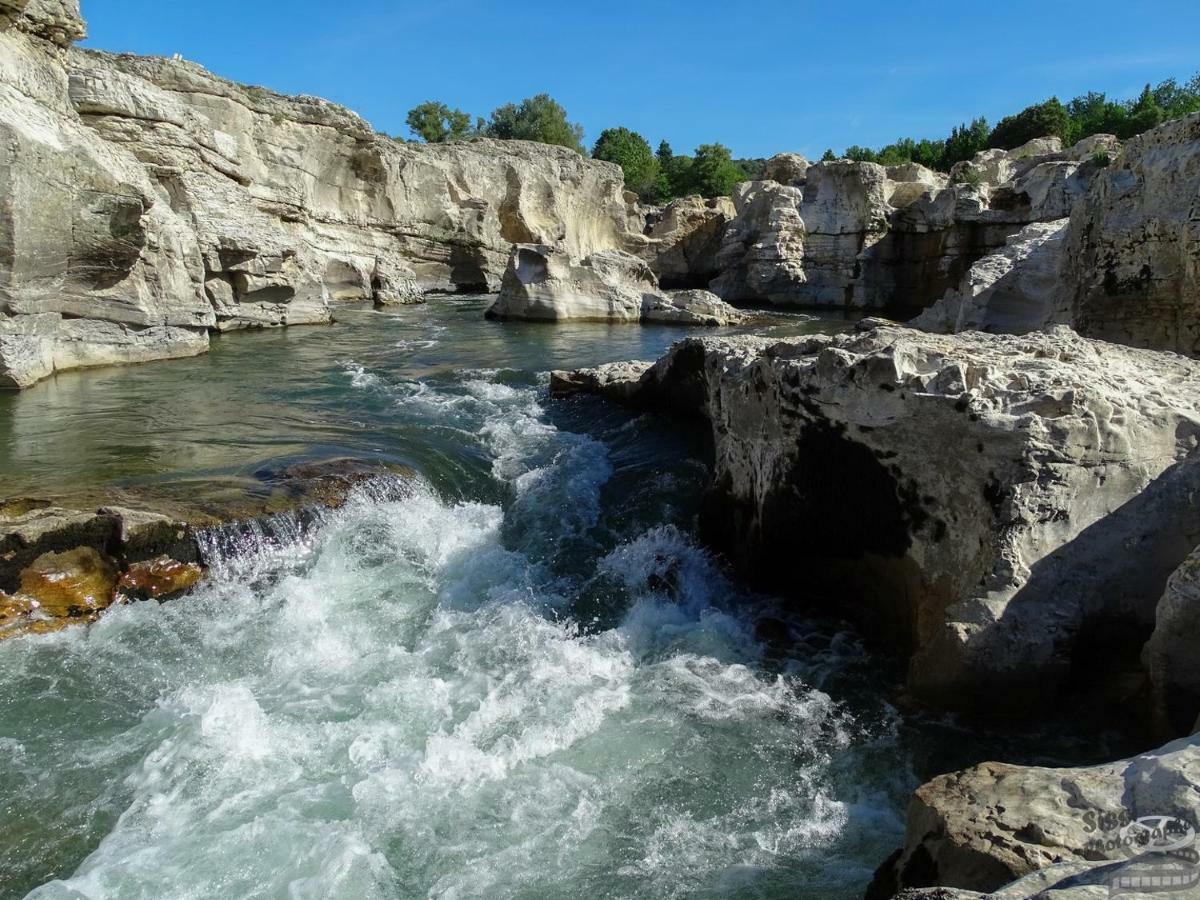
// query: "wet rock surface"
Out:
[62,565]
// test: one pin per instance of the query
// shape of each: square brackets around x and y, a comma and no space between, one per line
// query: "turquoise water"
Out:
[522,679]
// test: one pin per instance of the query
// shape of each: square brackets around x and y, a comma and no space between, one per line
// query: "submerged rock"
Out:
[1006,509]
[158,579]
[547,284]
[73,584]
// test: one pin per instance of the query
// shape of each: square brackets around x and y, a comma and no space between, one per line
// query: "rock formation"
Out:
[1133,254]
[1055,829]
[548,285]
[1006,508]
[1015,290]
[859,235]
[684,240]
[1125,267]
[148,201]
[62,565]
[1173,652]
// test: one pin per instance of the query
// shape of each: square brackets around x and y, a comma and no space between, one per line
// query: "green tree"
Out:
[860,154]
[1144,114]
[714,171]
[436,123]
[632,153]
[964,142]
[1042,120]
[828,155]
[538,118]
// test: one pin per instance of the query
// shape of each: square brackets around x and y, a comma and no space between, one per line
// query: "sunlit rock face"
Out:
[1133,255]
[546,284]
[1004,509]
[863,236]
[1027,831]
[179,203]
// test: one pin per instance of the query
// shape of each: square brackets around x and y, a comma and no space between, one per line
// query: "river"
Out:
[522,679]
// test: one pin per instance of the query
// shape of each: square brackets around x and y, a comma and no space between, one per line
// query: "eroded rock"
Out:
[547,284]
[1173,651]
[1030,539]
[1054,829]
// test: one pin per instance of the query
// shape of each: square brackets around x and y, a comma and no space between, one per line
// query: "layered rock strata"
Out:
[147,202]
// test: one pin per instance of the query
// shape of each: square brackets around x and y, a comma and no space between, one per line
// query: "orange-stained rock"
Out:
[158,579]
[71,584]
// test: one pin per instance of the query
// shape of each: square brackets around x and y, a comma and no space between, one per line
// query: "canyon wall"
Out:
[858,235]
[147,202]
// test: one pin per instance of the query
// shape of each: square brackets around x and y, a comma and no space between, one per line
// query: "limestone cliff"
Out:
[1006,509]
[860,235]
[147,201]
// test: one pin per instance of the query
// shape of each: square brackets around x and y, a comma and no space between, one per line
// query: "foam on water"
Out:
[403,702]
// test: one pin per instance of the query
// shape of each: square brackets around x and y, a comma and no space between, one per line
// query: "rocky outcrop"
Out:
[1008,509]
[787,168]
[149,202]
[684,240]
[1171,654]
[1015,290]
[859,235]
[64,565]
[548,285]
[1133,271]
[1054,829]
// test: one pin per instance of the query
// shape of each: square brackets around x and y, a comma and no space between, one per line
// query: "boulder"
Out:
[1173,652]
[1029,542]
[546,284]
[787,168]
[690,308]
[1053,829]
[73,584]
[1013,291]
[684,240]
[1133,252]
[617,381]
[61,565]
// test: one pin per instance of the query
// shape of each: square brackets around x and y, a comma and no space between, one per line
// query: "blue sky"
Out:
[762,78]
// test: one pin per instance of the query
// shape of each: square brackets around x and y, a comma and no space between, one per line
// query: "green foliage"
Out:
[964,142]
[436,123]
[828,155]
[538,118]
[1088,114]
[1041,120]
[632,153]
[714,172]
[753,169]
[1101,159]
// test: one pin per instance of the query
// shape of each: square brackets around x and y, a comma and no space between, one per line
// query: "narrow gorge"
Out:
[838,537]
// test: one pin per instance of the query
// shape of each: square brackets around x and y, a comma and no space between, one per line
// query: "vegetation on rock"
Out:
[1084,116]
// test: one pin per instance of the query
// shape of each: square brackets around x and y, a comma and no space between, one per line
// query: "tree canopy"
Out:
[1088,114]
[632,153]
[436,122]
[539,118]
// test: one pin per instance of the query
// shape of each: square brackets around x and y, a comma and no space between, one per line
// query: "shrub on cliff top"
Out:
[539,118]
